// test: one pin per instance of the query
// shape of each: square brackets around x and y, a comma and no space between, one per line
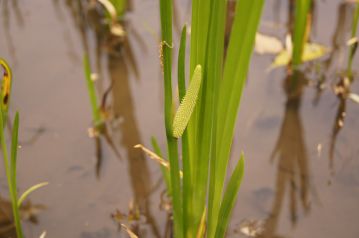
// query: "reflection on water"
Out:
[340,36]
[335,61]
[116,66]
[114,55]
[290,154]
[338,47]
[123,108]
[6,11]
[342,90]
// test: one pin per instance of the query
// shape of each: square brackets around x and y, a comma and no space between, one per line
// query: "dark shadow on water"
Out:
[338,48]
[290,155]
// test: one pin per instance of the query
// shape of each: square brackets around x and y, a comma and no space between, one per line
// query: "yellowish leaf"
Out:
[6,85]
[282,59]
[202,225]
[311,52]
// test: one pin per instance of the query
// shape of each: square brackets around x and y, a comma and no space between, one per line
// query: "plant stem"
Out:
[166,8]
[11,180]
[300,36]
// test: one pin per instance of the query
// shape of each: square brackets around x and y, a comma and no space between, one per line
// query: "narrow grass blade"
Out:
[96,117]
[236,66]
[9,174]
[187,170]
[201,15]
[199,36]
[229,198]
[13,156]
[202,225]
[29,191]
[182,64]
[208,117]
[199,32]
[188,104]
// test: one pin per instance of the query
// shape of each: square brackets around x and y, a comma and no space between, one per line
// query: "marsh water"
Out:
[301,143]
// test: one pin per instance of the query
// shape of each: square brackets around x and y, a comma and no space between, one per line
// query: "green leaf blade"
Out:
[229,198]
[13,155]
[29,191]
[96,116]
[236,66]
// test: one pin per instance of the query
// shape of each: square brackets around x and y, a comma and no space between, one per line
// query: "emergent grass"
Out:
[10,162]
[207,121]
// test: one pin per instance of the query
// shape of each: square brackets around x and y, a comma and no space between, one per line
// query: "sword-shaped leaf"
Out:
[229,198]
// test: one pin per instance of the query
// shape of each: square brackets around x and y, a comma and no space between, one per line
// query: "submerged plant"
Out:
[99,116]
[205,120]
[10,161]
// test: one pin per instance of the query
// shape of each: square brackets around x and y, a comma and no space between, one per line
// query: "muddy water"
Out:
[302,169]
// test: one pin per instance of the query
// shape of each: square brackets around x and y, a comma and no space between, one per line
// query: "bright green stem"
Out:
[188,229]
[166,8]
[302,8]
